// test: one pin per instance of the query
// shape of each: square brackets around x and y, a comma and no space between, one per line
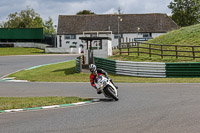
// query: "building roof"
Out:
[77,24]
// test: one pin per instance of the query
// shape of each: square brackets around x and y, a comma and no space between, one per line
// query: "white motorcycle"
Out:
[107,88]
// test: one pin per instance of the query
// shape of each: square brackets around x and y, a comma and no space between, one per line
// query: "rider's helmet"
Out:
[92,68]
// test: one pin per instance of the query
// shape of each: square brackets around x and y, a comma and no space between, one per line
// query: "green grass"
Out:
[186,36]
[62,72]
[65,72]
[20,51]
[153,58]
[30,102]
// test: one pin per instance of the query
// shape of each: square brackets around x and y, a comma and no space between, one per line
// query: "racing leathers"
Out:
[95,74]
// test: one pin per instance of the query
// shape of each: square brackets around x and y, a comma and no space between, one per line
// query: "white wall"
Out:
[30,45]
[66,43]
[105,51]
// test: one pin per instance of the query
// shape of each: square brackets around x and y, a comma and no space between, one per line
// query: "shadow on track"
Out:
[103,100]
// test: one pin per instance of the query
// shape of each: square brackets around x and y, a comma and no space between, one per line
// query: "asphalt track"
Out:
[142,108]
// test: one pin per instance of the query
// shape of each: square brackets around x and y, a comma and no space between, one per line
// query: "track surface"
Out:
[142,108]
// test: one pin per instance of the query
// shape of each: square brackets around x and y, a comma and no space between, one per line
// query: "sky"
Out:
[54,8]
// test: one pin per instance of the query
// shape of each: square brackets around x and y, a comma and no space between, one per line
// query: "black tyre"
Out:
[109,91]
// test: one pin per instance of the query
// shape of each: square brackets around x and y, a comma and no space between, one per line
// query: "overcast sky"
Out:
[54,8]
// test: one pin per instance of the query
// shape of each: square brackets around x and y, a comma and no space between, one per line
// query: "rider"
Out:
[96,72]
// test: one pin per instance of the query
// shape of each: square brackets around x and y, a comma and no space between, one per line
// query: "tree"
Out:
[25,19]
[28,19]
[48,26]
[84,12]
[185,12]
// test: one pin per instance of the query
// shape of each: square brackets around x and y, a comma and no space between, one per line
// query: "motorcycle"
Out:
[106,87]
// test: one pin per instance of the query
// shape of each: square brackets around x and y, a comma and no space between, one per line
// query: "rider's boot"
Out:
[98,91]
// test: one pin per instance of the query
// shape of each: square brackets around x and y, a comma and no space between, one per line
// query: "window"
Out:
[116,36]
[73,36]
[146,35]
[96,44]
[67,37]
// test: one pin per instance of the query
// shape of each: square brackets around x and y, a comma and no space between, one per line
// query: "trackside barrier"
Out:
[142,69]
[78,65]
[183,69]
[105,64]
[148,69]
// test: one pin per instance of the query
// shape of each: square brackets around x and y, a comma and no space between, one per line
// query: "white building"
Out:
[131,27]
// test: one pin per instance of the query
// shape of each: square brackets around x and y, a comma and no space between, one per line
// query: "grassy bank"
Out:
[186,36]
[65,72]
[146,58]
[30,102]
[20,51]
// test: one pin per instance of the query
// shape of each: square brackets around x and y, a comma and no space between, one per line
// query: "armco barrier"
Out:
[183,69]
[78,69]
[148,69]
[143,69]
[105,64]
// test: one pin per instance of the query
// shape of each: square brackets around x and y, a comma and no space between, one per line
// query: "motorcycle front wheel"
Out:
[111,92]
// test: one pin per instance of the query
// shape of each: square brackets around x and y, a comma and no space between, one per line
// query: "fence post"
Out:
[128,48]
[126,42]
[193,52]
[122,41]
[129,45]
[161,51]
[176,52]
[149,50]
[138,49]
[120,45]
[132,43]
[80,60]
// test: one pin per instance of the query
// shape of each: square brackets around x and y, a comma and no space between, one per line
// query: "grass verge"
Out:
[61,72]
[20,51]
[65,72]
[30,102]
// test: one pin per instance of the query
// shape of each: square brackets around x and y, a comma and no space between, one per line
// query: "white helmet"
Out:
[92,68]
